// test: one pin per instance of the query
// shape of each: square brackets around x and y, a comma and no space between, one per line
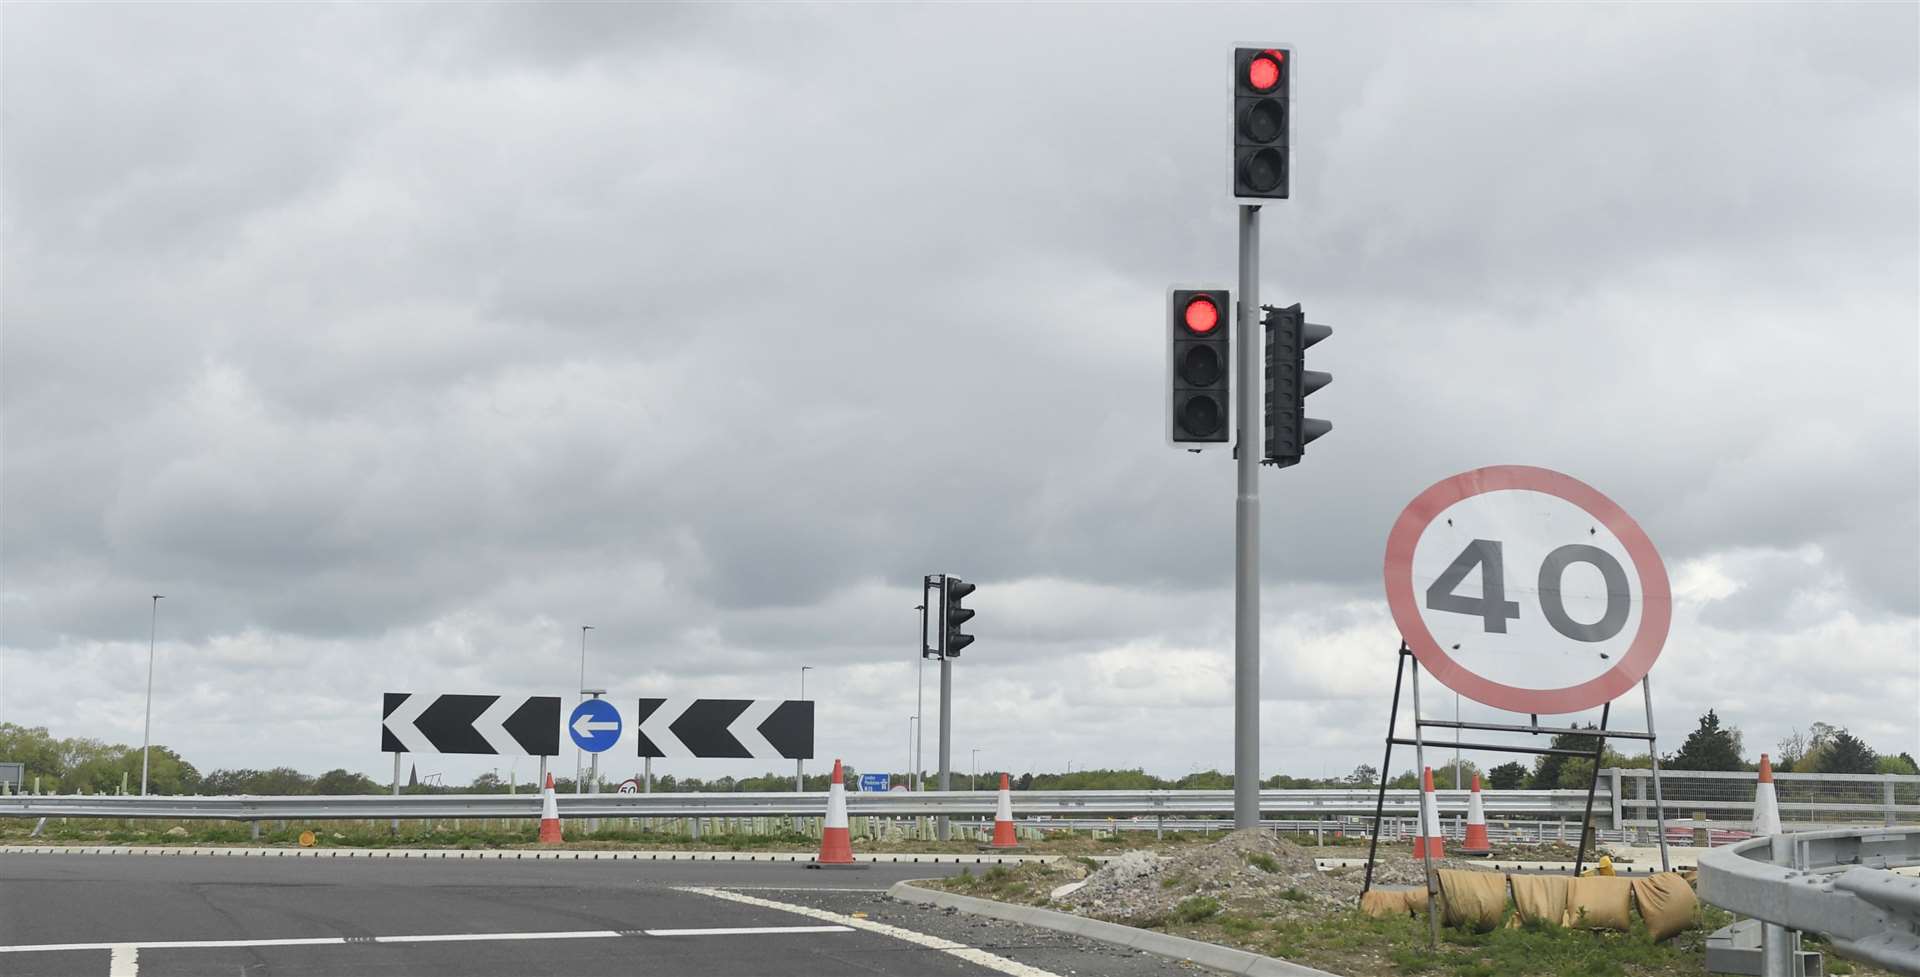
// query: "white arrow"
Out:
[656,729]
[491,725]
[746,728]
[585,726]
[400,722]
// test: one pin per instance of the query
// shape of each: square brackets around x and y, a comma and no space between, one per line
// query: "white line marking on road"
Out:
[125,961]
[981,958]
[750,930]
[470,937]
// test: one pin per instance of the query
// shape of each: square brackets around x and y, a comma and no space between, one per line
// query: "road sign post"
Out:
[1249,447]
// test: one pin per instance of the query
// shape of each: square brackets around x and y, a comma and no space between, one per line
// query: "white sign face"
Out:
[1527,590]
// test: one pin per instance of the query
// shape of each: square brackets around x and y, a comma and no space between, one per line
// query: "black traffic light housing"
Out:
[1288,334]
[952,591]
[1199,369]
[1262,122]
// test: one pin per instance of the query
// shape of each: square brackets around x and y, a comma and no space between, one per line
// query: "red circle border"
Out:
[1656,597]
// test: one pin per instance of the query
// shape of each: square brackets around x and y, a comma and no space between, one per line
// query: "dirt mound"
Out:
[1251,872]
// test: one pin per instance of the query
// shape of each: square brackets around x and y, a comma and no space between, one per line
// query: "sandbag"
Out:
[1381,903]
[1599,902]
[1667,903]
[1474,899]
[1416,901]
[1540,898]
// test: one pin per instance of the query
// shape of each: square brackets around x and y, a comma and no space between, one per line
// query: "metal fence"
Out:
[1808,801]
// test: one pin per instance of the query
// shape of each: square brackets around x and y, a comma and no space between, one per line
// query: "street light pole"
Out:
[579,787]
[799,765]
[146,733]
[974,773]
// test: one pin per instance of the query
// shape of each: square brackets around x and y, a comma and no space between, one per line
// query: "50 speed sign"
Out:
[1527,590]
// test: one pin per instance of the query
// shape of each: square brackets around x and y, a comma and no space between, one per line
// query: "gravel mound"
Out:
[1251,872]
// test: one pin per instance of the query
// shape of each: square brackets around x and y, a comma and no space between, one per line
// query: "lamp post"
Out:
[579,787]
[975,773]
[799,765]
[146,732]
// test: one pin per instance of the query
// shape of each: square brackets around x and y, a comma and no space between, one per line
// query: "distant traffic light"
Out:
[1198,375]
[1289,382]
[1262,102]
[952,639]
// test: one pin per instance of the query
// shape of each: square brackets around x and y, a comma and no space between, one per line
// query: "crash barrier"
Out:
[1725,799]
[1478,900]
[1838,883]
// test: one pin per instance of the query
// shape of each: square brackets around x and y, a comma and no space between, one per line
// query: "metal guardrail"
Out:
[1807,801]
[1834,883]
[1028,803]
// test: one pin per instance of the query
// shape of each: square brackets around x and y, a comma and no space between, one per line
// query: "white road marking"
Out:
[971,955]
[751,930]
[125,961]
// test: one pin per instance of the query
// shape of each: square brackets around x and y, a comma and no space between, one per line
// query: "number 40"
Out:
[1494,609]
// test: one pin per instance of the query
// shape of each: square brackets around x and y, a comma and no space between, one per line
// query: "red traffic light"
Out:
[1202,315]
[1263,72]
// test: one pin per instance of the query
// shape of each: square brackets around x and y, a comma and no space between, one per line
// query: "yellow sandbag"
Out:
[1381,903]
[1667,903]
[1416,901]
[1598,903]
[1540,897]
[1474,899]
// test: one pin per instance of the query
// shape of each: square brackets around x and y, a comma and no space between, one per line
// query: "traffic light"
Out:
[1289,382]
[952,592]
[1198,375]
[1262,101]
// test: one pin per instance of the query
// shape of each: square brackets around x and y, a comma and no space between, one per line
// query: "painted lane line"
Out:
[472,937]
[125,961]
[974,956]
[312,941]
[750,930]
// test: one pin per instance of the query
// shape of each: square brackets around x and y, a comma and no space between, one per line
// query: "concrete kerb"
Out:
[1212,955]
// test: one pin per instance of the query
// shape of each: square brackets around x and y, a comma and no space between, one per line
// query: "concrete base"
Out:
[1735,949]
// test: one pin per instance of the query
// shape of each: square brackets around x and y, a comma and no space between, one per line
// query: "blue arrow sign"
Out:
[873,782]
[594,725]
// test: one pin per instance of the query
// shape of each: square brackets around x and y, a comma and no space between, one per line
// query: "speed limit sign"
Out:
[1527,590]
[628,786]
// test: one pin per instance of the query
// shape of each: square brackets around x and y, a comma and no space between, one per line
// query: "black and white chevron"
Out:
[758,729]
[424,722]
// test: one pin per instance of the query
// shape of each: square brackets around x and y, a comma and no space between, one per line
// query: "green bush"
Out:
[1264,862]
[1196,908]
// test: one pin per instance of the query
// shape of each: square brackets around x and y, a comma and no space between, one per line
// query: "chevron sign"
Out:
[757,729]
[422,722]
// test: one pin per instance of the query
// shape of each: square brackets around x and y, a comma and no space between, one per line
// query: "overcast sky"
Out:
[392,344]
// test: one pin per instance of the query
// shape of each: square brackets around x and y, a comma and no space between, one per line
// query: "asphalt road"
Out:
[154,916]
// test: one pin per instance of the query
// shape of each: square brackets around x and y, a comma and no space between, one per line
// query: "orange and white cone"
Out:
[1428,843]
[836,842]
[1476,843]
[1003,818]
[1766,806]
[549,815]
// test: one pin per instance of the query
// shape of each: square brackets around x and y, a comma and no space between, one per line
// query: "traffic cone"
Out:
[1476,842]
[549,815]
[1003,818]
[1428,843]
[1766,806]
[836,843]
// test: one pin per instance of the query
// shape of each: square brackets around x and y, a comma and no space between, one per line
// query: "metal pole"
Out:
[1776,941]
[578,781]
[1586,817]
[973,773]
[394,826]
[1246,535]
[1386,763]
[1458,784]
[1653,750]
[1419,774]
[946,733]
[799,765]
[146,733]
[647,775]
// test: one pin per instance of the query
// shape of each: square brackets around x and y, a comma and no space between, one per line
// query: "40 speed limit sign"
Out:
[1527,590]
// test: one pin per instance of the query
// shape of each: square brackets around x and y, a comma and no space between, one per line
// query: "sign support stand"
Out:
[1406,660]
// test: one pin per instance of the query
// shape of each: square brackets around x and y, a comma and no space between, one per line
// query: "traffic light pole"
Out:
[1248,394]
[946,732]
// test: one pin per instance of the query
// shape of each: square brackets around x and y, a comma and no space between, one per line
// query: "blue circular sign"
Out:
[594,725]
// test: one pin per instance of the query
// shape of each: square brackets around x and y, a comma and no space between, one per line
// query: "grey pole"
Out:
[946,732]
[919,709]
[146,733]
[1419,776]
[1246,534]
[1659,804]
[578,786]
[974,770]
[394,825]
[1458,784]
[799,765]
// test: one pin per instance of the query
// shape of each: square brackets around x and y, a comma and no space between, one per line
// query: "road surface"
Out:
[156,916]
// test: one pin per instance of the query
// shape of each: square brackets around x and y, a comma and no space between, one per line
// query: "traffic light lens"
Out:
[1201,416]
[1262,73]
[1263,170]
[1202,316]
[1201,366]
[1264,121]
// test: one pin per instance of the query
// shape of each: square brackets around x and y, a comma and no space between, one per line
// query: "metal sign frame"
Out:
[1406,658]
